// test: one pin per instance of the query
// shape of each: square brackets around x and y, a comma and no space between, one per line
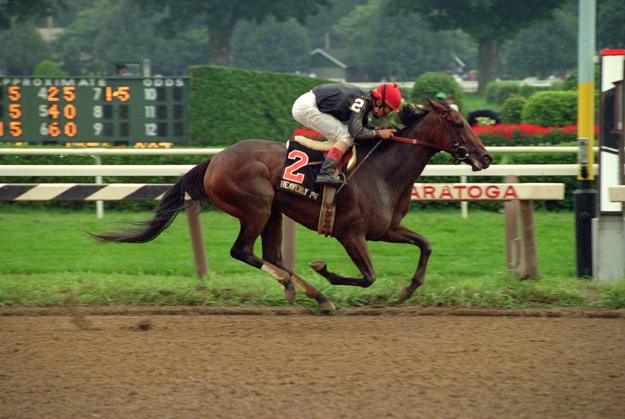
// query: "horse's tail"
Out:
[191,185]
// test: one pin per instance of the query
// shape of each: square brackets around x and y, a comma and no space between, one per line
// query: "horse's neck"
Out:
[410,161]
[416,157]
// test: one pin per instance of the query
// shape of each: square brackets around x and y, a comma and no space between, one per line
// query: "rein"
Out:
[459,152]
[419,142]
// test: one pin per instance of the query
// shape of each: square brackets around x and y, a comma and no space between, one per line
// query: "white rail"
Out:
[98,170]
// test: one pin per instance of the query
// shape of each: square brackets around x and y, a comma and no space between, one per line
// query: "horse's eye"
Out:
[459,125]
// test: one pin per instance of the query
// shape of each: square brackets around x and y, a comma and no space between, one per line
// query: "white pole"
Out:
[99,205]
[464,205]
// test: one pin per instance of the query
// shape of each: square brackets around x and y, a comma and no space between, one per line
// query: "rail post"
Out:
[197,238]
[511,212]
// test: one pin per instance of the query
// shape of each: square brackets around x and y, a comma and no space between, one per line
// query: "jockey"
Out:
[327,106]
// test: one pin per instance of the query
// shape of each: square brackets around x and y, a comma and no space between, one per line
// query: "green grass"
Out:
[46,260]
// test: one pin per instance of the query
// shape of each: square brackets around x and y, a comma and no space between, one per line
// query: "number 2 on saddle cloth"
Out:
[301,168]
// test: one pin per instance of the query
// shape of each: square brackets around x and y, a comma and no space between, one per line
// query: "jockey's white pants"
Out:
[306,112]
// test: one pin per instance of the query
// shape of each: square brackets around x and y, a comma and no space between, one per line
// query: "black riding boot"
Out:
[328,168]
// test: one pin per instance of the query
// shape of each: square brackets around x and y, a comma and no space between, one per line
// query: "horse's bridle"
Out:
[459,152]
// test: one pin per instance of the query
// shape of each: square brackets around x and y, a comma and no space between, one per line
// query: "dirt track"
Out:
[286,363]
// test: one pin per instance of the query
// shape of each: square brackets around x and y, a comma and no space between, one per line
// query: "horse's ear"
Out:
[435,105]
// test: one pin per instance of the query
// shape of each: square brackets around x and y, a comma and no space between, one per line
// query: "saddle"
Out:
[304,159]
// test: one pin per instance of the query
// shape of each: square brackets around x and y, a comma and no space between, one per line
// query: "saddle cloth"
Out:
[302,166]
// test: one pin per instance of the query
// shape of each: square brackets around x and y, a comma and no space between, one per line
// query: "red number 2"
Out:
[301,160]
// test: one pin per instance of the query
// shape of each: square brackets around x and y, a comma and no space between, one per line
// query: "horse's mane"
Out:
[409,115]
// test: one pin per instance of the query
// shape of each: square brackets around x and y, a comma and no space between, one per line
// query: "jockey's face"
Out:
[382,110]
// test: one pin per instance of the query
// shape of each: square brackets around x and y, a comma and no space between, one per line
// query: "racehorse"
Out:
[242,181]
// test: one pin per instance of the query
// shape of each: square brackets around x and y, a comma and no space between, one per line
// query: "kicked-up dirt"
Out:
[409,362]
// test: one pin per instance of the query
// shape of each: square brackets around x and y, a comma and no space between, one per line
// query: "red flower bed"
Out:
[526,134]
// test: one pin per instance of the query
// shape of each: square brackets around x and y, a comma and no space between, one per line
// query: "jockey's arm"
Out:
[359,129]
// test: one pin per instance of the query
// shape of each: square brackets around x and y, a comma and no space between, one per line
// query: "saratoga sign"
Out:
[486,191]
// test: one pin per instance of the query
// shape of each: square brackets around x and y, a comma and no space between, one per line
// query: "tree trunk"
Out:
[488,66]
[220,47]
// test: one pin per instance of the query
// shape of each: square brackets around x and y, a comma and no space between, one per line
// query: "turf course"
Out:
[46,260]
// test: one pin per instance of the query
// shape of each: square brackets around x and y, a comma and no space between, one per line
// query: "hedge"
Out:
[497,92]
[230,105]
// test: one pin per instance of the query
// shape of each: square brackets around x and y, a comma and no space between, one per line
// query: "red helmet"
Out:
[390,95]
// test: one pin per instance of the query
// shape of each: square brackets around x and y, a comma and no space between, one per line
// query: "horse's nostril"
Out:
[488,159]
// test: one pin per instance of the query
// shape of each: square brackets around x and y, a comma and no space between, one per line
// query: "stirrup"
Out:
[327,179]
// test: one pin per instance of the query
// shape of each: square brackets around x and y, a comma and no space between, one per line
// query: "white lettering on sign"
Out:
[38,82]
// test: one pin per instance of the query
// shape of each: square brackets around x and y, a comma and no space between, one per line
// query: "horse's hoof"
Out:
[327,306]
[290,295]
[317,265]
[404,294]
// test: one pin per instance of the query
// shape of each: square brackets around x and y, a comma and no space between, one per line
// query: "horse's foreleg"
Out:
[358,251]
[403,234]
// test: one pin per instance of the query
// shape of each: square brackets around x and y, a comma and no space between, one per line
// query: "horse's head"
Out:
[457,135]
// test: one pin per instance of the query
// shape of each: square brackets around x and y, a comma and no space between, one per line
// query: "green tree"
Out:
[544,48]
[19,11]
[321,26]
[220,17]
[115,30]
[610,24]
[272,46]
[402,47]
[488,22]
[22,48]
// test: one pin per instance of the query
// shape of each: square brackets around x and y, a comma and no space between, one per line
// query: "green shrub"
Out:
[48,68]
[428,85]
[511,110]
[498,91]
[551,109]
[570,83]
[526,91]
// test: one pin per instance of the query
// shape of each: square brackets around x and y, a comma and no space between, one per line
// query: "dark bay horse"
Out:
[242,181]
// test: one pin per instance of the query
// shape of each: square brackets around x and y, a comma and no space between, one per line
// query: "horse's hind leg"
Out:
[272,252]
[243,250]
[274,265]
[242,187]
